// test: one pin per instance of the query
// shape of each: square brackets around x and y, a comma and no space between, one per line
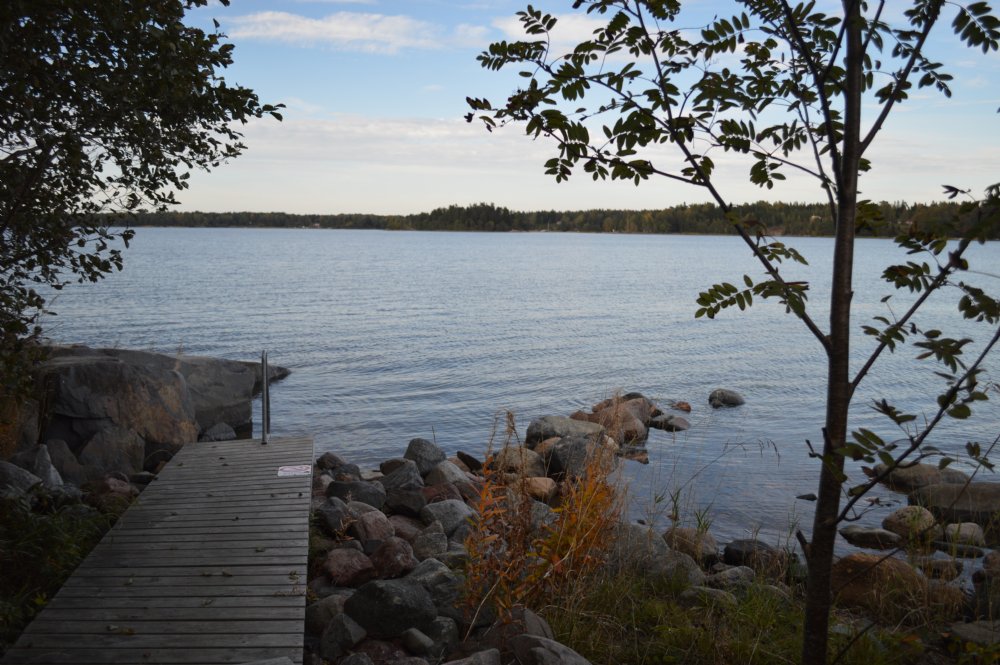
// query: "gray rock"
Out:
[405,502]
[696,543]
[670,423]
[416,642]
[356,659]
[570,455]
[15,480]
[487,657]
[218,432]
[321,613]
[42,466]
[534,650]
[113,450]
[429,545]
[967,533]
[983,633]
[520,460]
[358,490]
[445,472]
[870,537]
[721,397]
[340,636]
[912,523]
[444,633]
[438,580]
[548,427]
[405,476]
[405,527]
[386,608]
[977,502]
[65,461]
[755,554]
[330,460]
[426,454]
[451,513]
[909,478]
[334,516]
[730,578]
[542,516]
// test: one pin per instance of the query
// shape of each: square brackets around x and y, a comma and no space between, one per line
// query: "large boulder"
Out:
[16,481]
[977,502]
[387,608]
[572,456]
[113,450]
[625,420]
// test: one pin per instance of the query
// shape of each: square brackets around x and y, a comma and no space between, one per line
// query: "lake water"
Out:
[395,335]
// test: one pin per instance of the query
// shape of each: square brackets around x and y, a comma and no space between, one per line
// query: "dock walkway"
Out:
[207,566]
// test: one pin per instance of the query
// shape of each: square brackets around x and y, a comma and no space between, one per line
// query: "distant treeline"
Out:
[800,219]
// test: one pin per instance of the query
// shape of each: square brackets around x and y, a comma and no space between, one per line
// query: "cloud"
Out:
[353,31]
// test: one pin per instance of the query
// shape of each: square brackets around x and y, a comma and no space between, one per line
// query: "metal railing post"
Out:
[265,400]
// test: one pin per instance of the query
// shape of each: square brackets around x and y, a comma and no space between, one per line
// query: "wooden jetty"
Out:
[207,566]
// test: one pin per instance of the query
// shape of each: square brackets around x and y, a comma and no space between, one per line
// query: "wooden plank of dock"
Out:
[207,566]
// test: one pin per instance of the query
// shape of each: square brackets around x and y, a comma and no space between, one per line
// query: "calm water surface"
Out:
[394,335]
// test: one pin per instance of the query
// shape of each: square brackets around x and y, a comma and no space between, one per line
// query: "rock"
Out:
[439,581]
[732,578]
[913,524]
[218,432]
[548,427]
[450,513]
[977,502]
[487,657]
[320,613]
[670,423]
[721,397]
[638,549]
[356,659]
[425,454]
[696,543]
[966,533]
[541,489]
[473,464]
[113,450]
[334,517]
[16,481]
[445,472]
[442,492]
[405,502]
[404,476]
[41,465]
[871,538]
[386,608]
[625,420]
[358,490]
[393,558]
[330,460]
[703,596]
[340,636]
[444,633]
[982,633]
[88,390]
[371,526]
[111,493]
[535,650]
[909,478]
[991,563]
[571,455]
[65,461]
[429,545]
[348,567]
[519,460]
[959,549]
[542,516]
[938,569]
[416,642]
[760,556]
[405,527]
[887,587]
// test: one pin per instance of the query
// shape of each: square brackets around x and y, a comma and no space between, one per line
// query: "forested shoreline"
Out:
[797,219]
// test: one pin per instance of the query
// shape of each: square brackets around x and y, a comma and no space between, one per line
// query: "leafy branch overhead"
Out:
[105,107]
[780,88]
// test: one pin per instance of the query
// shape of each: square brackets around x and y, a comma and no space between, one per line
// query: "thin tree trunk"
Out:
[820,555]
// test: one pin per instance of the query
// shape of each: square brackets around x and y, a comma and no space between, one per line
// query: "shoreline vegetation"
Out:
[788,219]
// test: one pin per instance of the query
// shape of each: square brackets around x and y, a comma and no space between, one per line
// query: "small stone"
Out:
[938,569]
[416,642]
[320,613]
[218,432]
[340,636]
[913,523]
[541,489]
[871,538]
[473,464]
[534,650]
[357,490]
[966,533]
[703,596]
[730,578]
[721,397]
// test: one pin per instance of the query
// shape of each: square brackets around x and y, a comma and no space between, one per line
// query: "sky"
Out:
[375,94]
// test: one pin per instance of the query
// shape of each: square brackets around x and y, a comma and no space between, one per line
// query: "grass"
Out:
[625,618]
[43,538]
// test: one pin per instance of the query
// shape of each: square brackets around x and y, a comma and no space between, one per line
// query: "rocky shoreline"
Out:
[389,545]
